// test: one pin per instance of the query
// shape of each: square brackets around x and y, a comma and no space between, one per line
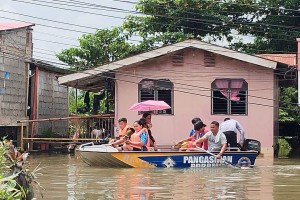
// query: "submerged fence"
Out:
[61,130]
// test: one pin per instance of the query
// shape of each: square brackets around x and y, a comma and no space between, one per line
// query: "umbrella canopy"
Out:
[149,106]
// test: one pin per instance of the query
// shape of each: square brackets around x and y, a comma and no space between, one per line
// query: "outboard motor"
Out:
[251,144]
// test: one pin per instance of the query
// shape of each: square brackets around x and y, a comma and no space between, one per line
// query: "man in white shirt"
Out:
[229,127]
[216,139]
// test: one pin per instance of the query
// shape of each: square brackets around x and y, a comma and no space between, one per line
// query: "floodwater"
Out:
[67,177]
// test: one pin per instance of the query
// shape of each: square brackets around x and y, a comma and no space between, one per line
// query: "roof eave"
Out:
[67,80]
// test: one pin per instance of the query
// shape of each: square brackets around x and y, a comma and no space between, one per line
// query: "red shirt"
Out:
[204,144]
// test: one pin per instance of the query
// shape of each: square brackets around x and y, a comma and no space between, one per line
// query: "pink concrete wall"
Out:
[168,129]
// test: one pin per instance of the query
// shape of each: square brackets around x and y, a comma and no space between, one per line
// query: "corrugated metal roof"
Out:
[4,26]
[289,59]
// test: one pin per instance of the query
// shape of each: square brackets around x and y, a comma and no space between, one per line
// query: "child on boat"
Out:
[188,143]
[139,140]
[194,120]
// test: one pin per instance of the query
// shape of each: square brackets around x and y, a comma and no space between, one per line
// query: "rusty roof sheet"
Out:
[289,59]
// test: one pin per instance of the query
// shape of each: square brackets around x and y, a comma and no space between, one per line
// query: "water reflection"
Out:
[68,178]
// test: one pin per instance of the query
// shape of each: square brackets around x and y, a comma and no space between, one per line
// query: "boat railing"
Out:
[87,144]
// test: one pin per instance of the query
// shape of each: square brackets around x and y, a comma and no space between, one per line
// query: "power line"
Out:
[150,49]
[47,25]
[113,9]
[192,93]
[88,32]
[153,22]
[222,2]
[187,92]
[180,73]
[49,20]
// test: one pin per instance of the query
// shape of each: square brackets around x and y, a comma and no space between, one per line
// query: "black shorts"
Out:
[136,149]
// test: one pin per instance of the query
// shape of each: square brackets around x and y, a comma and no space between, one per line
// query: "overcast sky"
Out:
[46,50]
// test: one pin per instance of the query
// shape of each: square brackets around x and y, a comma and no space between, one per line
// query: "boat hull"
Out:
[168,159]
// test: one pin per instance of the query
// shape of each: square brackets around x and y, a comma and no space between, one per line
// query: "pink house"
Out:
[196,79]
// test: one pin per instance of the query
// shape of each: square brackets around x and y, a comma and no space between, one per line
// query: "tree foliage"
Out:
[289,110]
[273,24]
[104,46]
[81,104]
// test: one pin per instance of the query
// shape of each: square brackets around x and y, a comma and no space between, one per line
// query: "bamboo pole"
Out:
[108,116]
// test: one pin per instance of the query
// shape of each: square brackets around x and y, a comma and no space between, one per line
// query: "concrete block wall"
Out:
[15,48]
[52,103]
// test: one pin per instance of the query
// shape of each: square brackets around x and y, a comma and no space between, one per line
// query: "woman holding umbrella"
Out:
[147,116]
[149,105]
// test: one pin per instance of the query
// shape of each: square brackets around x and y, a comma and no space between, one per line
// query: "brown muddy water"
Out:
[67,177]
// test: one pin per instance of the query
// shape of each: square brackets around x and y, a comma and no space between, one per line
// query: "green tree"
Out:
[72,100]
[273,24]
[289,110]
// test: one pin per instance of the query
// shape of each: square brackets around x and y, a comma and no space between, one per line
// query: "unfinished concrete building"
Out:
[28,88]
[48,99]
[15,49]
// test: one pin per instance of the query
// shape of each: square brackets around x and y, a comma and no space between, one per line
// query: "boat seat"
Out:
[165,148]
[232,149]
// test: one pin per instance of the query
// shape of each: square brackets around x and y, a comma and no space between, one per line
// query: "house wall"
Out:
[192,95]
[52,103]
[15,47]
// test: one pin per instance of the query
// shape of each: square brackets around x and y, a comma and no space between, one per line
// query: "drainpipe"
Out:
[298,68]
[34,105]
[116,109]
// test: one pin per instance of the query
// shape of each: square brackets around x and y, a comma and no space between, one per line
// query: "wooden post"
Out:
[21,138]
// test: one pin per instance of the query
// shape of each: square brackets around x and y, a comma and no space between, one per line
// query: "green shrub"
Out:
[284,148]
[15,179]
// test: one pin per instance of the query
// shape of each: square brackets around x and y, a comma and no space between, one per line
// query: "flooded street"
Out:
[66,177]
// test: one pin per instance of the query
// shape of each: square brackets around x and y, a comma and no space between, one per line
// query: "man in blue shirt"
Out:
[196,119]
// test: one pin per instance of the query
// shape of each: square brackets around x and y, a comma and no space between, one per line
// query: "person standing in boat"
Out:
[187,144]
[139,140]
[229,128]
[194,120]
[147,116]
[216,139]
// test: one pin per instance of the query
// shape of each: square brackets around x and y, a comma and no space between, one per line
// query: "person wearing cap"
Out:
[188,143]
[194,120]
[229,127]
